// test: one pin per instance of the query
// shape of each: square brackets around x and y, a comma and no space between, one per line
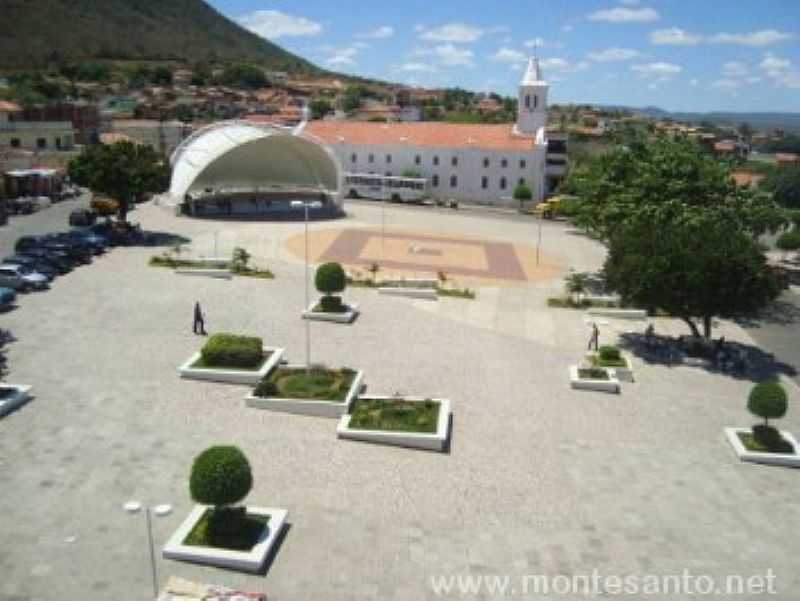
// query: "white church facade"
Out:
[472,163]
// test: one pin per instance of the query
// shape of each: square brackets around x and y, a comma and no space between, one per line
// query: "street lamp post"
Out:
[539,241]
[306,206]
[134,507]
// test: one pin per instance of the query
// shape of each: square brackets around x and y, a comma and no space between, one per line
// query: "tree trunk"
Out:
[707,326]
[692,326]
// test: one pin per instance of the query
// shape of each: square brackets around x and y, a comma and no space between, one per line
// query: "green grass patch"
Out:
[249,530]
[318,308]
[567,302]
[593,373]
[316,384]
[465,293]
[259,274]
[395,415]
[201,364]
[598,361]
[184,264]
[752,444]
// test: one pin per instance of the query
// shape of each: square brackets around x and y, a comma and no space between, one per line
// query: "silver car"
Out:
[21,277]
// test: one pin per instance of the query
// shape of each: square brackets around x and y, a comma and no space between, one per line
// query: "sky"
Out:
[679,55]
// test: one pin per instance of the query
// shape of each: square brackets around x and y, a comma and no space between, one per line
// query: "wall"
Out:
[57,135]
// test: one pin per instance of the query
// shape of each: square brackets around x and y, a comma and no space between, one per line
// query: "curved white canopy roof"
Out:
[237,155]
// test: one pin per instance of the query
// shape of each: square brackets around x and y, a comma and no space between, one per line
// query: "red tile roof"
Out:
[787,157]
[434,134]
[8,107]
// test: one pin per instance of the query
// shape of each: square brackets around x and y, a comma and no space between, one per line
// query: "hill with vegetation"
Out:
[49,33]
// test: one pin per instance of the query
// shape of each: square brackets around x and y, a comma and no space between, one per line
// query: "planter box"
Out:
[578,383]
[782,459]
[314,408]
[618,313]
[429,442]
[19,396]
[346,317]
[231,376]
[623,374]
[421,293]
[222,274]
[412,283]
[244,561]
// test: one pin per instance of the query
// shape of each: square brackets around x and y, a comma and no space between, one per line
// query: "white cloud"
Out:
[273,24]
[418,67]
[781,71]
[674,37]
[694,82]
[508,55]
[343,57]
[621,14]
[629,2]
[614,54]
[658,69]
[381,33]
[727,84]
[535,43]
[735,69]
[568,28]
[451,55]
[458,33]
[773,64]
[562,65]
[765,37]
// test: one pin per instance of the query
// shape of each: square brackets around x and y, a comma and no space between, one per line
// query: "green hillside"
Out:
[47,32]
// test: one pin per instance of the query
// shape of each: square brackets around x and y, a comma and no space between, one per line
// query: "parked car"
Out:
[30,279]
[82,217]
[58,260]
[76,253]
[7,298]
[99,244]
[39,265]
[28,242]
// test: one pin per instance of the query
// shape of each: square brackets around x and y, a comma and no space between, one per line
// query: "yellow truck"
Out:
[547,209]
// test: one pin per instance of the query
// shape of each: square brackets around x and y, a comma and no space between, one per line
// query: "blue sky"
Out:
[696,55]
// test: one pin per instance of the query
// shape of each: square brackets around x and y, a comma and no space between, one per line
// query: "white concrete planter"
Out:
[578,383]
[623,374]
[231,376]
[19,396]
[346,317]
[429,442]
[222,274]
[315,408]
[421,293]
[785,460]
[244,561]
[618,313]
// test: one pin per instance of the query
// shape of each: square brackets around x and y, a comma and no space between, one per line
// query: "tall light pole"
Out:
[134,507]
[306,205]
[539,241]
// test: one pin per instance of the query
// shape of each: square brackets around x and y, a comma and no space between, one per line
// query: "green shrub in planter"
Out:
[332,304]
[610,353]
[221,476]
[767,400]
[229,350]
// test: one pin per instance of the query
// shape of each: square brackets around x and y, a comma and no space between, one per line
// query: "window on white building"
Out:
[504,163]
[372,158]
[435,181]
[354,158]
[535,101]
[486,163]
[503,183]
[454,161]
[484,182]
[435,160]
[522,181]
[522,164]
[417,160]
[453,181]
[388,159]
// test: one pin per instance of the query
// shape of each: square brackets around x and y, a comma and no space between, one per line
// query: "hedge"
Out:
[229,350]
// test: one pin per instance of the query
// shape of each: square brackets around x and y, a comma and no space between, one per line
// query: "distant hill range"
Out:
[786,121]
[48,32]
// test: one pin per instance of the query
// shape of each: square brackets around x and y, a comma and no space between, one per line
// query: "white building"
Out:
[466,162]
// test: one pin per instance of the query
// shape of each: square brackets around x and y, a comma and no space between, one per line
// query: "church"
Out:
[472,163]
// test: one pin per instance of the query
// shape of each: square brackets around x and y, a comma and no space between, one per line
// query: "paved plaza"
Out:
[540,479]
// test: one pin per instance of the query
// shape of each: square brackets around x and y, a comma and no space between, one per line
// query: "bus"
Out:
[386,187]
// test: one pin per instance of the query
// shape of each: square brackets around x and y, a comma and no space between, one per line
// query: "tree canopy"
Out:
[123,171]
[784,183]
[681,236]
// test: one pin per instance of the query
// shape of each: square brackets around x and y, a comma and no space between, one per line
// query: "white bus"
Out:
[385,187]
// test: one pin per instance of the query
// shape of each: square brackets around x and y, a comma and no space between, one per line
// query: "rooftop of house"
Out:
[431,134]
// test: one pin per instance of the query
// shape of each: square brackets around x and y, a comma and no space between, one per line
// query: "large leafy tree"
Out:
[681,236]
[666,174]
[697,265]
[124,171]
[784,183]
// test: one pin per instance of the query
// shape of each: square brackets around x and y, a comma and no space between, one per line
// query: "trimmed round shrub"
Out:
[767,400]
[220,476]
[330,278]
[229,350]
[609,353]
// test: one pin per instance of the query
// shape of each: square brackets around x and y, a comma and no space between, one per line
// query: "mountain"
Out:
[760,120]
[45,32]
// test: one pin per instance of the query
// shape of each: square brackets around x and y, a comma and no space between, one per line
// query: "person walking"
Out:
[594,341]
[199,324]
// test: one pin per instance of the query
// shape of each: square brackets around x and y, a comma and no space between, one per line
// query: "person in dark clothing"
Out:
[594,341]
[199,325]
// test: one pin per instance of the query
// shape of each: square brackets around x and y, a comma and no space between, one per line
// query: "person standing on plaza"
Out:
[199,324]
